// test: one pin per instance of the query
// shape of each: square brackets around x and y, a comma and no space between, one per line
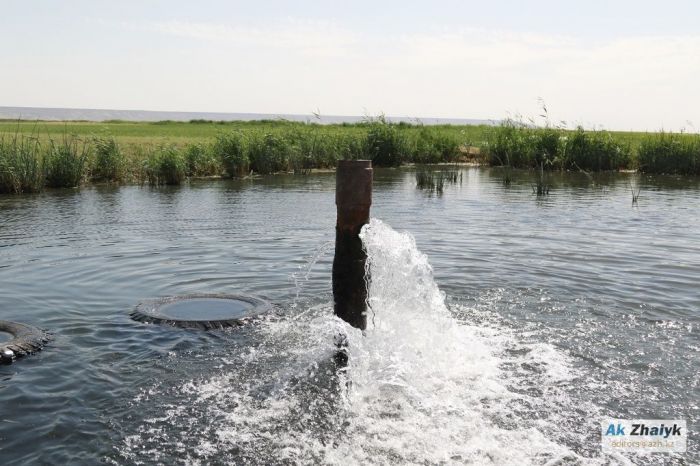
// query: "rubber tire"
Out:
[148,312]
[26,340]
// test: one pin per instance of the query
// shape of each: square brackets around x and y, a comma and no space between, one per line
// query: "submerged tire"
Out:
[25,340]
[154,311]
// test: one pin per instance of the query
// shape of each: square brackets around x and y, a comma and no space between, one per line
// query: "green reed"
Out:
[165,165]
[514,144]
[21,164]
[434,180]
[109,163]
[66,162]
[670,153]
[202,160]
[232,150]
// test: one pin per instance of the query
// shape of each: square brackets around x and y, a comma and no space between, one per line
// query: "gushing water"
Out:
[421,386]
[426,388]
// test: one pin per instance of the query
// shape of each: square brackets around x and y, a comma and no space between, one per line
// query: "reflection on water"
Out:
[5,337]
[205,309]
[560,309]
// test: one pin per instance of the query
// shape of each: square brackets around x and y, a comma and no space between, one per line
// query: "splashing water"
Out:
[421,386]
[425,387]
[302,275]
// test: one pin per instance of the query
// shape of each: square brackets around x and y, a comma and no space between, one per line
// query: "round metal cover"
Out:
[204,311]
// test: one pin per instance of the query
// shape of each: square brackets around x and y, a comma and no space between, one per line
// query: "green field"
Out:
[182,133]
[34,155]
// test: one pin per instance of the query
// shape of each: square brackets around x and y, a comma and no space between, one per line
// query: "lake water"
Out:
[503,329]
[93,114]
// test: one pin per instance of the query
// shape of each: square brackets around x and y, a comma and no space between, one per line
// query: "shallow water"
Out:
[538,318]
[205,309]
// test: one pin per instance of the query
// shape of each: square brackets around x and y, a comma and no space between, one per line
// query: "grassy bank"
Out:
[515,145]
[69,154]
[35,155]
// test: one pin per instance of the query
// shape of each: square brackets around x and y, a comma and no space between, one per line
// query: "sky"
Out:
[625,65]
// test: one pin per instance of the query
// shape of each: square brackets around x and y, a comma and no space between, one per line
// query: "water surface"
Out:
[205,309]
[560,311]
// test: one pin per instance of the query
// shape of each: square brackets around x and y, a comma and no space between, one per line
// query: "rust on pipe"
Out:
[353,198]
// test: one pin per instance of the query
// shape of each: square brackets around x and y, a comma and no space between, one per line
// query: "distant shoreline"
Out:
[101,115]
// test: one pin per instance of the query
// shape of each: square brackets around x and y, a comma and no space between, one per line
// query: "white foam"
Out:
[424,387]
[421,387]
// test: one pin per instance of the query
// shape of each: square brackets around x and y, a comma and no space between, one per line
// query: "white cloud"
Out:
[293,66]
[303,36]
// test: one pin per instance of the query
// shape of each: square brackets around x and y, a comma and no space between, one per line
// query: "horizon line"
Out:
[235,116]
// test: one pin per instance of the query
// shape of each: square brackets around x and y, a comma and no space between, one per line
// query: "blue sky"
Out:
[615,64]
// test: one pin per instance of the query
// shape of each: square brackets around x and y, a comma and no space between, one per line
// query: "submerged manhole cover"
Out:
[5,337]
[201,311]
[206,309]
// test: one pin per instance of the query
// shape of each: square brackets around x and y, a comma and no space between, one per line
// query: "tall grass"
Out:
[514,144]
[596,151]
[21,164]
[165,165]
[541,186]
[670,153]
[202,160]
[232,150]
[508,145]
[311,148]
[434,180]
[434,146]
[66,162]
[385,145]
[109,162]
[350,146]
[30,161]
[269,152]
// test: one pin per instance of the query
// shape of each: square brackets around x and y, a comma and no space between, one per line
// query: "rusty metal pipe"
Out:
[353,198]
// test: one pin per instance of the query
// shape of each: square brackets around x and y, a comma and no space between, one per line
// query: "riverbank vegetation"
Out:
[433,178]
[35,155]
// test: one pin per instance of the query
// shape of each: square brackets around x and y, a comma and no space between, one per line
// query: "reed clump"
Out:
[670,153]
[202,161]
[231,148]
[385,144]
[109,163]
[21,164]
[514,144]
[434,180]
[165,165]
[270,152]
[312,148]
[595,151]
[541,186]
[434,146]
[510,145]
[635,192]
[66,162]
